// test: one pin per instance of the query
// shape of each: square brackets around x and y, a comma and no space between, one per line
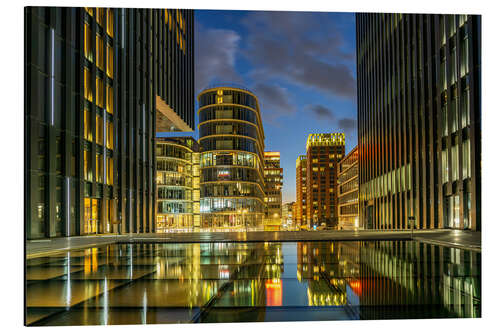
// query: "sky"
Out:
[301,66]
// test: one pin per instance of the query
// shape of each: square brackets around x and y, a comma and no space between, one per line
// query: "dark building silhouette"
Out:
[419,120]
[99,84]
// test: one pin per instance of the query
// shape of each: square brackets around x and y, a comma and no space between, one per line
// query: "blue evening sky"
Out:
[301,66]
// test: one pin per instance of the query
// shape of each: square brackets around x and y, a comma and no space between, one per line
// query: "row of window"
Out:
[221,174]
[453,174]
[228,96]
[228,128]
[228,112]
[229,143]
[173,151]
[87,91]
[229,158]
[174,194]
[173,179]
[99,129]
[99,168]
[241,206]
[165,207]
[231,190]
[175,166]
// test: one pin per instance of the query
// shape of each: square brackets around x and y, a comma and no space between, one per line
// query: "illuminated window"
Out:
[87,168]
[87,85]
[87,44]
[99,44]
[109,135]
[109,171]
[109,99]
[444,166]
[99,86]
[90,10]
[87,125]
[100,16]
[98,168]
[109,59]
[109,24]
[99,129]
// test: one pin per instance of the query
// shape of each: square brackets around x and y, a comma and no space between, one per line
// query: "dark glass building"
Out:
[419,120]
[232,160]
[99,84]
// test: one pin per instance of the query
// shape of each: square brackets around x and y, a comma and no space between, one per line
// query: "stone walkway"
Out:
[452,238]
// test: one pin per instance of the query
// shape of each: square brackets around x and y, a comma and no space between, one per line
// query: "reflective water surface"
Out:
[235,282]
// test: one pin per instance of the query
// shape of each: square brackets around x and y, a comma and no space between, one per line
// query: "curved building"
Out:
[177,180]
[231,160]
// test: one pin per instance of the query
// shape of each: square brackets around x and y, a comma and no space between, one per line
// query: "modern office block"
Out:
[273,177]
[232,160]
[178,184]
[99,83]
[301,190]
[348,191]
[419,120]
[324,151]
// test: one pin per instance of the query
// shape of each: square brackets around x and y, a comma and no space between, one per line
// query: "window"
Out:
[109,171]
[109,24]
[109,99]
[87,125]
[99,86]
[454,116]
[464,108]
[444,166]
[87,45]
[109,59]
[100,52]
[87,167]
[99,129]
[454,162]
[444,121]
[98,168]
[109,135]
[87,88]
[464,55]
[466,159]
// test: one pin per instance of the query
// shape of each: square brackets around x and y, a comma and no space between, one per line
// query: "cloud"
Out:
[215,54]
[306,49]
[321,112]
[274,100]
[348,125]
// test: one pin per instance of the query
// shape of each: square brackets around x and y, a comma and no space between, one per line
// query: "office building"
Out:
[419,120]
[178,184]
[324,151]
[273,177]
[301,191]
[287,215]
[348,193]
[232,160]
[99,84]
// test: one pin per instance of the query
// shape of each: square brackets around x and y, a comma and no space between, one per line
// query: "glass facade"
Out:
[232,192]
[348,193]
[419,120]
[90,114]
[177,183]
[273,176]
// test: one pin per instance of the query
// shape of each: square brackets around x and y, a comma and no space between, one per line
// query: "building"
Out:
[324,151]
[232,160]
[273,177]
[287,215]
[348,193]
[419,120]
[178,184]
[301,191]
[99,84]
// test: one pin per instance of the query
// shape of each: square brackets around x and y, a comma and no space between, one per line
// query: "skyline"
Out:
[302,86]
